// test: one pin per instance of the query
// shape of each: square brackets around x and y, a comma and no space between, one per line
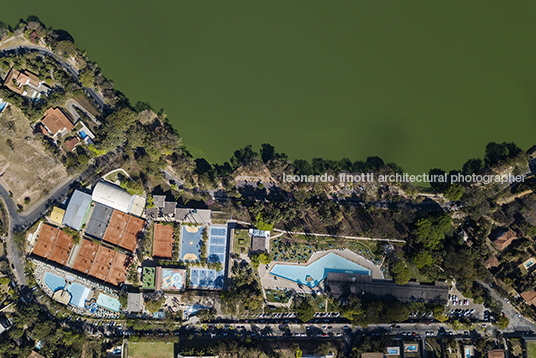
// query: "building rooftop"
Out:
[194,216]
[56,121]
[159,201]
[134,303]
[169,208]
[365,286]
[496,353]
[491,262]
[71,143]
[57,215]
[505,239]
[77,209]
[113,196]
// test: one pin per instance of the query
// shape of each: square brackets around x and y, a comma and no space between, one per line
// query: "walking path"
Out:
[338,236]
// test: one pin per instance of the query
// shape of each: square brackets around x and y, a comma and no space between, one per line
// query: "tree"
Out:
[154,305]
[257,259]
[454,192]
[472,166]
[306,312]
[439,314]
[431,231]
[423,259]
[114,130]
[87,78]
[206,315]
[502,322]
[267,152]
[401,273]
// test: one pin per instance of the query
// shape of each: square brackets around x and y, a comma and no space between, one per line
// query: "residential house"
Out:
[25,83]
[491,262]
[496,353]
[71,143]
[55,121]
[504,239]
[529,297]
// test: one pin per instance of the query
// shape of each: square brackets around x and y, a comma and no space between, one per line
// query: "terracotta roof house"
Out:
[491,262]
[496,353]
[71,143]
[55,121]
[529,297]
[505,239]
[25,83]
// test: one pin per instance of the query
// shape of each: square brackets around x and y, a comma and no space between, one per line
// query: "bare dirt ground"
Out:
[26,169]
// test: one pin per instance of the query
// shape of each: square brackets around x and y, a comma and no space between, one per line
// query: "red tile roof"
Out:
[71,143]
[56,121]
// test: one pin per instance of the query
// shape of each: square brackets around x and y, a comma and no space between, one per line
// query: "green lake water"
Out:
[421,83]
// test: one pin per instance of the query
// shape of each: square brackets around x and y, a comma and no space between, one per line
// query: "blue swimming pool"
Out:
[2,106]
[83,134]
[311,275]
[79,294]
[54,282]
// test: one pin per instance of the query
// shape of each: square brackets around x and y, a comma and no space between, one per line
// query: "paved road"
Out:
[19,222]
[71,104]
[97,97]
[511,312]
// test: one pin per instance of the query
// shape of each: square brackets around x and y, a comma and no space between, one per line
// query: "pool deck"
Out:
[268,281]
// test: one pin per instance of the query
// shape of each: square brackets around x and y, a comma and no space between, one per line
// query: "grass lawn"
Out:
[242,241]
[300,248]
[277,296]
[531,349]
[114,176]
[88,106]
[150,349]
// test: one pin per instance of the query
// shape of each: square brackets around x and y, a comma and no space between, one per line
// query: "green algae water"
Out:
[420,83]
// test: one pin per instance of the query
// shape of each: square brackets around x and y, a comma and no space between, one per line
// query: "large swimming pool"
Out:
[54,282]
[79,293]
[311,275]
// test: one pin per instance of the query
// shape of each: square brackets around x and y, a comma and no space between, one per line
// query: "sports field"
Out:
[150,349]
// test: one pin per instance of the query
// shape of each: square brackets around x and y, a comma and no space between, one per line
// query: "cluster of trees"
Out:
[244,294]
[496,155]
[30,324]
[260,258]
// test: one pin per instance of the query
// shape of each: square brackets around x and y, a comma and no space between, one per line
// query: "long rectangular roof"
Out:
[77,209]
[113,196]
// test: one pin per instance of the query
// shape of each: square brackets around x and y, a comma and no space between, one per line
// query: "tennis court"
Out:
[206,279]
[99,221]
[217,244]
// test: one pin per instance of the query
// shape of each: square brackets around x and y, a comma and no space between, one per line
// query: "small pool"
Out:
[529,264]
[54,282]
[83,134]
[311,275]
[79,294]
[411,348]
[2,106]
[467,352]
